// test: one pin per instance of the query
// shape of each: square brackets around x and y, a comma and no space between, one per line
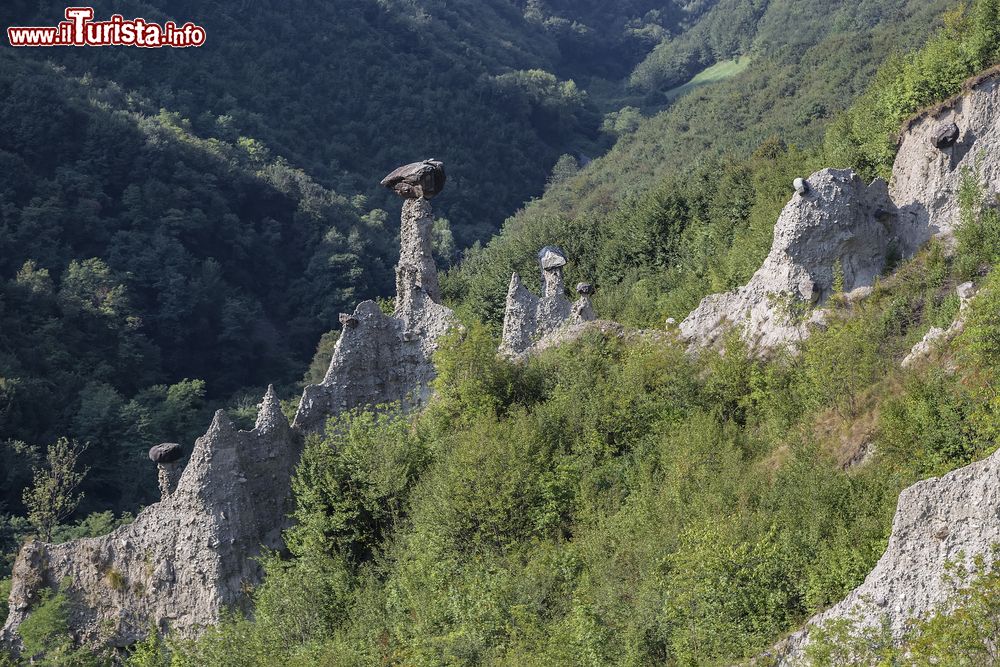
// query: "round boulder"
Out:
[551,257]
[800,185]
[167,452]
[945,135]
[586,289]
[417,179]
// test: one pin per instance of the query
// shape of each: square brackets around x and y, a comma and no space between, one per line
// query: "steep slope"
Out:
[799,78]
[940,524]
[187,223]
[189,559]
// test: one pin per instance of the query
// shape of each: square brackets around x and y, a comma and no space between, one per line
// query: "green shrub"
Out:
[4,597]
[926,425]
[978,232]
[46,636]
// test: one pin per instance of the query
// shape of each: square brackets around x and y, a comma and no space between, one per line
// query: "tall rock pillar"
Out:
[383,359]
[416,269]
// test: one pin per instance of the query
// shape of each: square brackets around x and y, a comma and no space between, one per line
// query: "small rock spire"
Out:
[221,423]
[269,414]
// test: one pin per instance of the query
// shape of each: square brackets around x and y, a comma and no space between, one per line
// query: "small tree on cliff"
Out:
[53,494]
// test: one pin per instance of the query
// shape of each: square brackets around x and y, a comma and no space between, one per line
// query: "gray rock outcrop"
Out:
[832,218]
[936,147]
[837,227]
[528,318]
[185,559]
[945,519]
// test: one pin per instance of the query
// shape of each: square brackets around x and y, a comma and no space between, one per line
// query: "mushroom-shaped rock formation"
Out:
[583,310]
[529,318]
[417,180]
[166,456]
[552,260]
[945,135]
[379,358]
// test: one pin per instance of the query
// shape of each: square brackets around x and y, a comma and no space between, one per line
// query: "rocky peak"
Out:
[190,557]
[185,559]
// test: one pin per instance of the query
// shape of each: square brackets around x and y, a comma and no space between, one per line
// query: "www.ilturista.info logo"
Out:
[80,29]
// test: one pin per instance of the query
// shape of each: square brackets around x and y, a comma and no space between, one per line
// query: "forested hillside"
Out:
[178,228]
[614,502]
[667,215]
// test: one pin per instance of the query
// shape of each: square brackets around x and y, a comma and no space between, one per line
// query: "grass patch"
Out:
[714,74]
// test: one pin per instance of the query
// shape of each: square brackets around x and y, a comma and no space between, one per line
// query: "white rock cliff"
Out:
[945,519]
[834,220]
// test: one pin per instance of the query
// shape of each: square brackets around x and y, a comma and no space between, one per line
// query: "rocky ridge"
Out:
[954,518]
[529,319]
[836,229]
[381,358]
[184,559]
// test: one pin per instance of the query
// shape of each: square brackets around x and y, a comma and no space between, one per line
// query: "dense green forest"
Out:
[609,502]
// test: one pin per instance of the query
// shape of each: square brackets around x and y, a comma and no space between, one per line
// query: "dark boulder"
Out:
[586,289]
[167,452]
[945,135]
[418,179]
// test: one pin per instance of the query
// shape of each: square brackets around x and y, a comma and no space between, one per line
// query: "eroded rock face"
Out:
[833,217]
[962,134]
[837,225]
[949,518]
[528,318]
[380,358]
[184,559]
